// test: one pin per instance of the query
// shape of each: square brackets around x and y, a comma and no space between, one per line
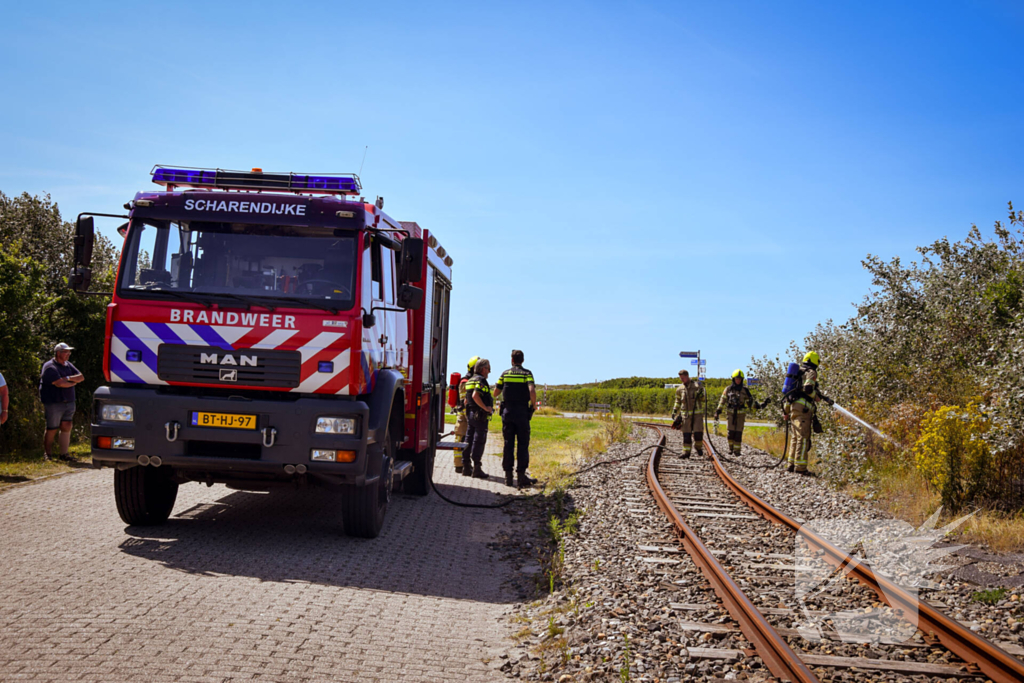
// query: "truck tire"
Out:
[418,483]
[145,495]
[363,508]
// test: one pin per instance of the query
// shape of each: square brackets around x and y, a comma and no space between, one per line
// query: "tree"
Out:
[38,309]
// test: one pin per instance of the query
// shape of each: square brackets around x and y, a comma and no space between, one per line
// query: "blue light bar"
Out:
[184,176]
[257,180]
[325,366]
[133,356]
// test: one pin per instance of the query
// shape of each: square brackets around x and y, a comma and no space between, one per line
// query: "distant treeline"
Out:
[637,395]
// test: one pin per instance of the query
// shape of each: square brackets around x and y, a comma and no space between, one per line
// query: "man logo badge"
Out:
[228,375]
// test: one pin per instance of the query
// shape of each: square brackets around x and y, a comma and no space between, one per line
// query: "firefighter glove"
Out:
[718,414]
[827,400]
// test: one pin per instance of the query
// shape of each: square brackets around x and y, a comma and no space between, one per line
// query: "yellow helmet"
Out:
[812,358]
[472,363]
[737,373]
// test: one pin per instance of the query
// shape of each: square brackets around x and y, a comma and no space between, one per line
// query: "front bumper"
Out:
[199,450]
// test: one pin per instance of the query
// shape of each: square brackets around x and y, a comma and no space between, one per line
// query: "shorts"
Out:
[58,412]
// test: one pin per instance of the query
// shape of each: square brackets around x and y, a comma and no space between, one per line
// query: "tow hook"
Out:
[171,429]
[269,436]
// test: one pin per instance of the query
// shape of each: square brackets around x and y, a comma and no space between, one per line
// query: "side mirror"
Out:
[410,268]
[81,273]
[410,298]
[369,320]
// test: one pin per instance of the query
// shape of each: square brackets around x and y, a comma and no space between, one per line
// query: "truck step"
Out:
[401,471]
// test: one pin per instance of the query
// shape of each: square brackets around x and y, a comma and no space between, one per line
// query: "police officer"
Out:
[479,408]
[518,395]
[737,400]
[688,413]
[461,423]
[801,407]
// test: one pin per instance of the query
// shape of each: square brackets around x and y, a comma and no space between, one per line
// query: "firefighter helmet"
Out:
[812,358]
[472,363]
[737,373]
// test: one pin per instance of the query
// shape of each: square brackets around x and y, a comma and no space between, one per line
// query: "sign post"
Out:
[701,364]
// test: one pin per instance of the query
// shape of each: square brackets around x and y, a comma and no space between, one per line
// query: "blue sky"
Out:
[615,181]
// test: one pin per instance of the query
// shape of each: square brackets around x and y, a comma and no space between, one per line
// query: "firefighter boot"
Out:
[458,460]
[525,482]
[478,471]
[467,467]
[508,478]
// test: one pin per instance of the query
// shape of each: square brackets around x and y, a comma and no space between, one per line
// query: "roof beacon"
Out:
[324,183]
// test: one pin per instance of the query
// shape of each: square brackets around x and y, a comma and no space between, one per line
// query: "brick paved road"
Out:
[240,586]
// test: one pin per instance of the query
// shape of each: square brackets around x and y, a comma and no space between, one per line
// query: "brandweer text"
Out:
[232,318]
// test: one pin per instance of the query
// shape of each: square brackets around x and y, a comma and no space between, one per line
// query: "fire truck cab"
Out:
[269,329]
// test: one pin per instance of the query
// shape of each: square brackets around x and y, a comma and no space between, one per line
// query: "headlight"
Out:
[324,455]
[111,412]
[332,456]
[335,425]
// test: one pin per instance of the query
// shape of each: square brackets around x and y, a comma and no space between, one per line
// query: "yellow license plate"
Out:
[224,420]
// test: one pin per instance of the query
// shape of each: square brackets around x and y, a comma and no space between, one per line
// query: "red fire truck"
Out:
[269,329]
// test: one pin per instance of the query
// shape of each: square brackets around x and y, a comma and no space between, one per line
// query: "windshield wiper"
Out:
[248,300]
[315,304]
[186,297]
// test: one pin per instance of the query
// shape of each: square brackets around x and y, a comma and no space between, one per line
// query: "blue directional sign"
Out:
[689,354]
[694,362]
[752,381]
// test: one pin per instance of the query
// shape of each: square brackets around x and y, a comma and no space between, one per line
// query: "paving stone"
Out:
[240,585]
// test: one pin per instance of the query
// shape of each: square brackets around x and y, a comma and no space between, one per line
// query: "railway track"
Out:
[744,547]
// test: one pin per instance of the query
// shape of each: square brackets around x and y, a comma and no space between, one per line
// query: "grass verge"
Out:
[22,466]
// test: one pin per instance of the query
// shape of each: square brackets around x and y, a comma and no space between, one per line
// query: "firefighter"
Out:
[737,400]
[479,408]
[461,423]
[688,413]
[518,396]
[800,407]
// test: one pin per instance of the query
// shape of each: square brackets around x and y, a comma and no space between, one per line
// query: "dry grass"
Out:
[16,468]
[904,493]
[547,410]
[1000,531]
[768,439]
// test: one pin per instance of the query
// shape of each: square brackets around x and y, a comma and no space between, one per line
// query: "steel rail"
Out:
[989,658]
[769,645]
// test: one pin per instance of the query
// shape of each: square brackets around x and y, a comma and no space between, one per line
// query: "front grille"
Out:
[218,449]
[246,367]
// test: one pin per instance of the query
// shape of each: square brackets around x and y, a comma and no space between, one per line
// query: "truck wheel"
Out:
[363,508]
[145,495]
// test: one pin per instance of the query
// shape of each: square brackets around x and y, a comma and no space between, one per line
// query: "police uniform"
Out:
[689,407]
[801,412]
[737,400]
[476,435]
[517,408]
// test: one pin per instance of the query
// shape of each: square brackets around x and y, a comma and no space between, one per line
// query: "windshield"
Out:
[241,260]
